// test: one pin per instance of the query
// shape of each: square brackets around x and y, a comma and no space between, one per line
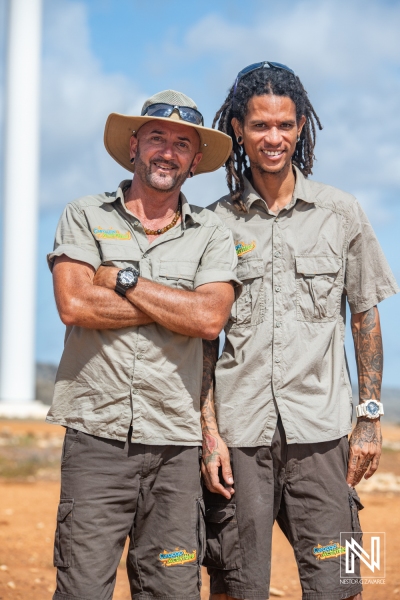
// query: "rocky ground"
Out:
[29,491]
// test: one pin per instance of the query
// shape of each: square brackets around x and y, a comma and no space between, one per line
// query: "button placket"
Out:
[277,270]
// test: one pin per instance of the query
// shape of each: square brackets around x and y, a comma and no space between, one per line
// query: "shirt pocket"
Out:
[319,283]
[249,306]
[119,255]
[177,274]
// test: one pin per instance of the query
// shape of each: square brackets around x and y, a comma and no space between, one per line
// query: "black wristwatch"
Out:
[126,279]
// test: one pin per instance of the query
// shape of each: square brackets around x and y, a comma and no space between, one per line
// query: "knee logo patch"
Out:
[177,557]
[331,550]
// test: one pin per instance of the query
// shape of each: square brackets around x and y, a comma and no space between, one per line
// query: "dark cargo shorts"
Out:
[112,490]
[303,487]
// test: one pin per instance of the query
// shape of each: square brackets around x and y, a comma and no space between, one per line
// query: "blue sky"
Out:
[102,56]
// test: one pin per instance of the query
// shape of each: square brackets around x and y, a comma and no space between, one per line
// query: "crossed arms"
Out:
[87,299]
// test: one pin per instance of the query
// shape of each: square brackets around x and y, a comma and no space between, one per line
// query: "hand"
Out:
[106,277]
[365,450]
[216,455]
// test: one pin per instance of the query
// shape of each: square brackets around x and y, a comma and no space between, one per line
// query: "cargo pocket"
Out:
[319,284]
[63,537]
[355,507]
[222,545]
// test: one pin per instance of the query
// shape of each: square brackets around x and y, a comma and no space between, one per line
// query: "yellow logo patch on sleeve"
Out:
[177,557]
[110,234]
[243,248]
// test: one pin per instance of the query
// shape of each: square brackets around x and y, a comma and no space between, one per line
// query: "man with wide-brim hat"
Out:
[140,277]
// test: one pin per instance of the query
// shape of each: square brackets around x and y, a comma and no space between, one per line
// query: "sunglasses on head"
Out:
[266,64]
[186,113]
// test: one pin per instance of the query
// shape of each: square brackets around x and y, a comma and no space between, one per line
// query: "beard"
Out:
[162,182]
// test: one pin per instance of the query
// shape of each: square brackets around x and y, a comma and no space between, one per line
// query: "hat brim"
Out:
[215,145]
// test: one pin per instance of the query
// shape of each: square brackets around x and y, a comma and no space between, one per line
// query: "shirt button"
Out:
[277,288]
[134,391]
[139,356]
[277,360]
[277,254]
[278,324]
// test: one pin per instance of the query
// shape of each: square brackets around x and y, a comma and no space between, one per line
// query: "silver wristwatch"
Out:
[370,409]
[126,279]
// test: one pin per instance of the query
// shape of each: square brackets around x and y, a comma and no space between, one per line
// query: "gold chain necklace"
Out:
[164,229]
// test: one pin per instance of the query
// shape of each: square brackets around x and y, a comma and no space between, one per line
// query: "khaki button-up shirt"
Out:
[147,376]
[284,350]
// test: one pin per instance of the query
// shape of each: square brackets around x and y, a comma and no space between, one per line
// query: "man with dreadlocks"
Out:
[282,388]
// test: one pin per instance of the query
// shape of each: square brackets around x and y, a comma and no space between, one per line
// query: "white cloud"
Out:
[348,57]
[77,96]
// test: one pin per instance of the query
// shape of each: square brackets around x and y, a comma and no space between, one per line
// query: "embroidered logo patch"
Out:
[242,248]
[177,557]
[110,234]
[331,550]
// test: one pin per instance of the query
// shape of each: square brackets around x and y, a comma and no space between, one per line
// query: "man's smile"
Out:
[273,153]
[166,167]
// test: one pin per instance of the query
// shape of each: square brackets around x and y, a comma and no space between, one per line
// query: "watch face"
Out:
[127,277]
[372,409]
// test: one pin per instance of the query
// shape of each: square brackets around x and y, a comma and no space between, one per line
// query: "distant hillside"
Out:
[45,377]
[46,374]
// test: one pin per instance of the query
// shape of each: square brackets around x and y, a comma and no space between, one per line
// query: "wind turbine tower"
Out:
[20,202]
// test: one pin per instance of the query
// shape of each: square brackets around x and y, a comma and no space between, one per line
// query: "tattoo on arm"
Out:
[208,420]
[369,353]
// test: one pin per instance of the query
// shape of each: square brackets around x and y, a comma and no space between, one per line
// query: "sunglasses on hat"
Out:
[266,64]
[186,113]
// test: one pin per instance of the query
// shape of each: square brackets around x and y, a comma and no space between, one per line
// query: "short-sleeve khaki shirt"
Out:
[147,376]
[284,350]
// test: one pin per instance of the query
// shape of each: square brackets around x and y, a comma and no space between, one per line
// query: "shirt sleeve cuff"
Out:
[214,275]
[366,304]
[75,253]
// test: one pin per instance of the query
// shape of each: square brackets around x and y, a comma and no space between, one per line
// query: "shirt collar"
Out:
[302,191]
[119,195]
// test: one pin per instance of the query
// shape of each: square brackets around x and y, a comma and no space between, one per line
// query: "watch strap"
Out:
[361,410]
[120,289]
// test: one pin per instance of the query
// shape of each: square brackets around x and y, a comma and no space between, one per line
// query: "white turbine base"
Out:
[23,410]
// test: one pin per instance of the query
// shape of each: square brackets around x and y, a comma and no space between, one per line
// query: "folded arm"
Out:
[80,302]
[199,313]
[366,438]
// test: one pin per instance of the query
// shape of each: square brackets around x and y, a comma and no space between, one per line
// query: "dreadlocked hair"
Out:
[278,82]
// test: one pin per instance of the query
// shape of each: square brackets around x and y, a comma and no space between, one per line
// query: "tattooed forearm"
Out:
[208,420]
[366,438]
[369,353]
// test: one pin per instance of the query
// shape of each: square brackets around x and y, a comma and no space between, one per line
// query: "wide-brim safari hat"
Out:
[215,145]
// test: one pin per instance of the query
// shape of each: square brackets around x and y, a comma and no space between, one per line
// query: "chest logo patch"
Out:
[331,550]
[243,248]
[110,234]
[177,557]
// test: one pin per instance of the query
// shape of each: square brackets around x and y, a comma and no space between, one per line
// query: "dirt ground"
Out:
[29,493]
